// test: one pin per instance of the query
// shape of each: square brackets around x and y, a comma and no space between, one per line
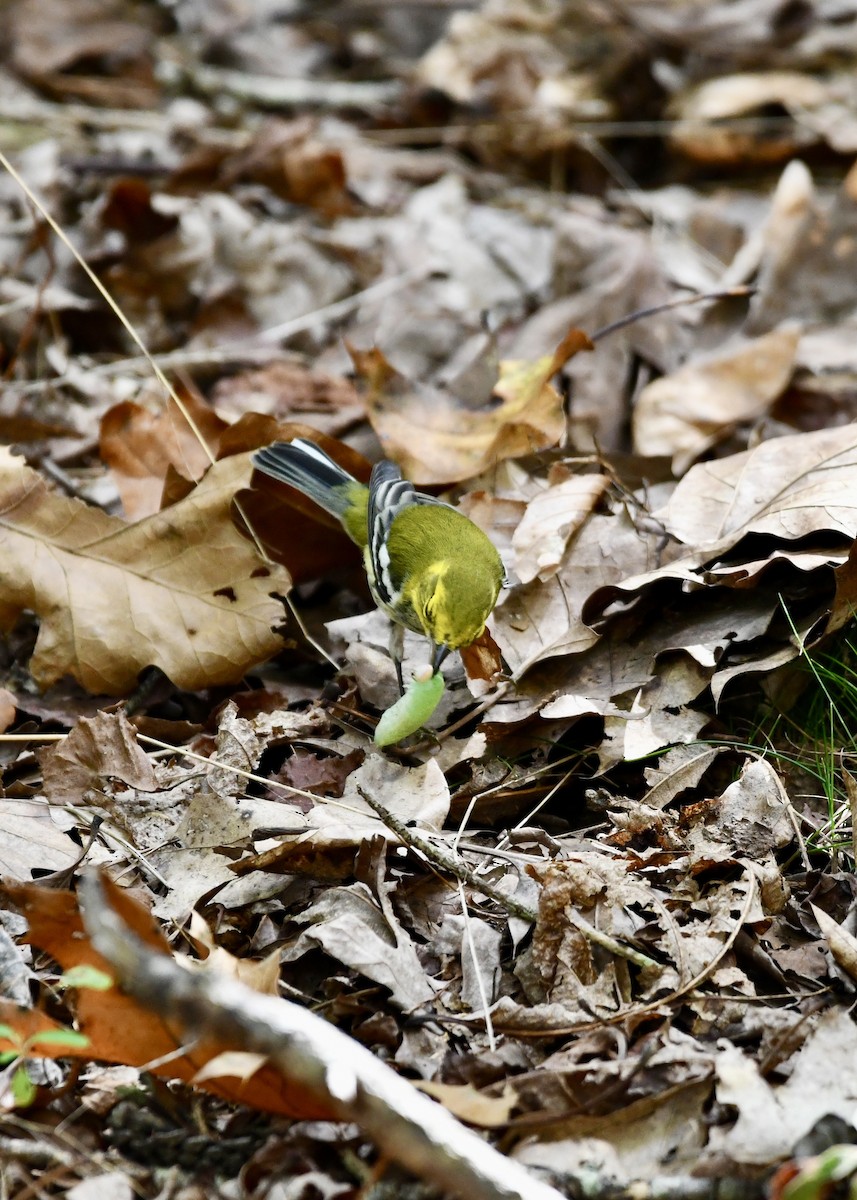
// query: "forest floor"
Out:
[588,270]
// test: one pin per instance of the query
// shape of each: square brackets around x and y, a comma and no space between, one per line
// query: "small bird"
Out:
[429,567]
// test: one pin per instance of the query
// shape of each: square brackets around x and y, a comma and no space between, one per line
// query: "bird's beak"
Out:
[438,654]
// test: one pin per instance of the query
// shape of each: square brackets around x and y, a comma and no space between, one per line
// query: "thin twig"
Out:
[273,91]
[448,862]
[739,292]
[477,970]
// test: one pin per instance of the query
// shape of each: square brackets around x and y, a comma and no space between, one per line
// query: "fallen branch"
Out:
[316,1058]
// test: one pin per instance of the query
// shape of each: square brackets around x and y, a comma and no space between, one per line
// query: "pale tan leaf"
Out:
[140,444]
[684,413]
[680,768]
[237,1064]
[181,590]
[843,945]
[663,1131]
[98,748]
[788,487]
[437,438]
[660,713]
[550,521]
[698,132]
[30,838]
[348,924]
[260,974]
[467,1103]
[544,620]
[772,1118]
[753,813]
[8,708]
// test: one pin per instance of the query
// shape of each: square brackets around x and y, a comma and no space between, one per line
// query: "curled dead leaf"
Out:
[436,438]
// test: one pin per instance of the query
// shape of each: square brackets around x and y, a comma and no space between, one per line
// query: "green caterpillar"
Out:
[412,710]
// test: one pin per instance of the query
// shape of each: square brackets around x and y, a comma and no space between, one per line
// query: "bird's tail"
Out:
[306,467]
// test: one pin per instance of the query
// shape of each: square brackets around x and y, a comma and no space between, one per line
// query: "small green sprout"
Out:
[21,1086]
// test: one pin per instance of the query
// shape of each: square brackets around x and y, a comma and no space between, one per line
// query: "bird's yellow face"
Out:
[453,605]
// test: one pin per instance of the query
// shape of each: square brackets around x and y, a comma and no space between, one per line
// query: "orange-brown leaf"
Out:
[118,1028]
[436,438]
[140,445]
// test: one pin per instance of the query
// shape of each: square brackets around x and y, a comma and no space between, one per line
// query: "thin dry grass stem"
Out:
[481,708]
[110,833]
[299,621]
[59,232]
[655,128]
[249,349]
[474,958]
[524,821]
[739,292]
[468,932]
[451,862]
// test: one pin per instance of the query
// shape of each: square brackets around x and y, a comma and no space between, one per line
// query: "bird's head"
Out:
[454,600]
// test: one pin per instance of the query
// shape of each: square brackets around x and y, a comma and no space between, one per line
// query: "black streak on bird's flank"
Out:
[228,592]
[260,573]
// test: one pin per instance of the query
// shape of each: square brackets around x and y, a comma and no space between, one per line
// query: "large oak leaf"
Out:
[181,590]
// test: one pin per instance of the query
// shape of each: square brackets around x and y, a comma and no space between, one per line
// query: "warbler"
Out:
[429,567]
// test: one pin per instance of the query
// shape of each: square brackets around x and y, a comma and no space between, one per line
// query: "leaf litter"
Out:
[604,907]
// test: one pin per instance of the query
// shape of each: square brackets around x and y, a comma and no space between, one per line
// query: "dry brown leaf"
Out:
[437,439]
[680,768]
[320,776]
[291,390]
[542,621]
[789,487]
[260,974]
[526,58]
[753,813]
[32,840]
[660,712]
[294,530]
[844,606]
[181,590]
[98,747]
[417,795]
[551,519]
[545,620]
[685,413]
[483,662]
[563,965]
[771,1117]
[8,708]
[843,945]
[656,1134]
[349,925]
[48,40]
[288,158]
[467,1103]
[140,445]
[705,126]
